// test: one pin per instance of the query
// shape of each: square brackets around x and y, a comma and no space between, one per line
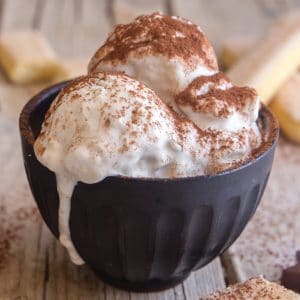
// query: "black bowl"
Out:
[147,234]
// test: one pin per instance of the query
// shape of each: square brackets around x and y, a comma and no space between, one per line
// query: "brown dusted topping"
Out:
[136,115]
[216,101]
[40,149]
[157,34]
[218,79]
[254,288]
[124,148]
[107,123]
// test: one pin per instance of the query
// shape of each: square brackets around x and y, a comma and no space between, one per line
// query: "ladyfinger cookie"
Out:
[26,57]
[286,106]
[273,60]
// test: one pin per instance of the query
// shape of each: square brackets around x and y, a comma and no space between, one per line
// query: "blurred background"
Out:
[77,27]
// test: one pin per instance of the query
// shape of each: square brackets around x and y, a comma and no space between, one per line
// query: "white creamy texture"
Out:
[170,76]
[209,105]
[109,124]
[65,188]
[165,76]
[112,125]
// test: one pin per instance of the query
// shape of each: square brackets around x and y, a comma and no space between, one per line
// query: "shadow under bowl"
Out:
[146,234]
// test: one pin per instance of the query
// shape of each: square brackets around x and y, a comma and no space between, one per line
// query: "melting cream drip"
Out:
[65,188]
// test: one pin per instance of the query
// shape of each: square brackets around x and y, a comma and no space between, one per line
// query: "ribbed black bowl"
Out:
[149,234]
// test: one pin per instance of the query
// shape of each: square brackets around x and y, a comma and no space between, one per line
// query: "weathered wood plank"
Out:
[125,11]
[20,250]
[208,280]
[18,14]
[75,28]
[92,26]
[57,19]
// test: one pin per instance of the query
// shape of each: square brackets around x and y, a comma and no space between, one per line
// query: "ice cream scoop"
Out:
[166,53]
[174,58]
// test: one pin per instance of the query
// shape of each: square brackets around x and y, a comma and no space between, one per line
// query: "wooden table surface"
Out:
[33,265]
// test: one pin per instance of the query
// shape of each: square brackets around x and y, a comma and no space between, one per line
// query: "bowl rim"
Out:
[28,136]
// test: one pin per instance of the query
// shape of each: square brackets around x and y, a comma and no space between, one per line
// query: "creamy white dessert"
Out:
[166,53]
[109,124]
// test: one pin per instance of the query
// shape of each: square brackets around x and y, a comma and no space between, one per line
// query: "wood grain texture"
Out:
[20,250]
[75,28]
[18,15]
[94,24]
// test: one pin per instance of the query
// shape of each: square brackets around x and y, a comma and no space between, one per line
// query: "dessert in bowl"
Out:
[146,182]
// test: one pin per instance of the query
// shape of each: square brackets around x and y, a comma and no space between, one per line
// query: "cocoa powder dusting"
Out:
[217,102]
[11,225]
[73,86]
[158,34]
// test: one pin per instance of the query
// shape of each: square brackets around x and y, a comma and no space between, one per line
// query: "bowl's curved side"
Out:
[147,235]
[33,113]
